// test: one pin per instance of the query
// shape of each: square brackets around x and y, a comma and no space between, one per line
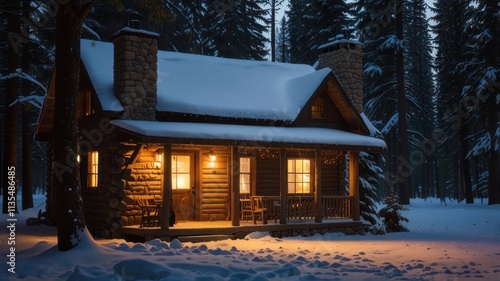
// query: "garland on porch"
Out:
[329,159]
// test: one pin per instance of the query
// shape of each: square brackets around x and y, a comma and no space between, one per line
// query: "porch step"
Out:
[204,238]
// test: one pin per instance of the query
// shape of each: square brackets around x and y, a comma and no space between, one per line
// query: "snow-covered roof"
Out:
[255,135]
[204,85]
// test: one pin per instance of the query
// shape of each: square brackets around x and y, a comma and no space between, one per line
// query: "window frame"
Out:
[93,169]
[175,173]
[249,174]
[295,174]
[318,108]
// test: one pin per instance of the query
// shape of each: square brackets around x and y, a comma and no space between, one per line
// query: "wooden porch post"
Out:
[354,182]
[283,185]
[317,194]
[235,186]
[167,186]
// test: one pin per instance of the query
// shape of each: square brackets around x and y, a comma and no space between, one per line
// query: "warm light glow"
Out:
[158,158]
[299,176]
[211,156]
[93,169]
[181,172]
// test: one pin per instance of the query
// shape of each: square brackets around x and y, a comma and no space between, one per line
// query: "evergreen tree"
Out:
[282,45]
[297,11]
[235,29]
[452,38]
[391,214]
[370,174]
[312,24]
[421,97]
[483,89]
[375,25]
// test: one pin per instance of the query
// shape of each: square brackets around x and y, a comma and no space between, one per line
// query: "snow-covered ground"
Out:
[446,242]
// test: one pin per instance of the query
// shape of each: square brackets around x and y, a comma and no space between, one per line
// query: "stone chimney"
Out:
[135,72]
[345,58]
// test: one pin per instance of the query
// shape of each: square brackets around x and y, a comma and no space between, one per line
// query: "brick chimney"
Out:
[345,58]
[135,72]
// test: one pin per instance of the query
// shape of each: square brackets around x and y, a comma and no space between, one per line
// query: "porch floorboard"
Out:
[224,228]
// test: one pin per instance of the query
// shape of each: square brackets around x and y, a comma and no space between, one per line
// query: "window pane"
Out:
[183,165]
[174,164]
[244,183]
[291,166]
[244,165]
[93,169]
[307,166]
[181,181]
[306,188]
[306,178]
[299,166]
[298,177]
[298,188]
[291,187]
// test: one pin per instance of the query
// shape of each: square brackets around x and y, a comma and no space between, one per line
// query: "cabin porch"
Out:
[300,219]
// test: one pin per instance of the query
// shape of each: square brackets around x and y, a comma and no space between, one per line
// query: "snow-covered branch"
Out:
[23,75]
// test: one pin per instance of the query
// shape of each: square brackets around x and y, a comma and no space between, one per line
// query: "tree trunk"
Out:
[27,192]
[66,174]
[403,184]
[273,30]
[492,61]
[10,123]
[465,164]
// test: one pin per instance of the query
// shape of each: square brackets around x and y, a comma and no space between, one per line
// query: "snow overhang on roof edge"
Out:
[254,135]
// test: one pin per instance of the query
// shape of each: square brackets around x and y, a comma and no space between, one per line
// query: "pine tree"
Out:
[421,97]
[297,11]
[312,24]
[370,174]
[391,214]
[483,88]
[282,45]
[375,25]
[452,37]
[235,29]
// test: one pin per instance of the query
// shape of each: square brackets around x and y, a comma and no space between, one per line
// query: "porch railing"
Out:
[302,207]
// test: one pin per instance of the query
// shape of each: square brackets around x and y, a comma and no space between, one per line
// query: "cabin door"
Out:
[183,185]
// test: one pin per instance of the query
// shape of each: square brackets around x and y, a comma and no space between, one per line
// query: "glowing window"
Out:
[299,176]
[245,175]
[317,109]
[93,169]
[181,172]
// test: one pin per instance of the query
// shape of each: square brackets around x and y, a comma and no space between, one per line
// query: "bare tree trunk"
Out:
[403,184]
[10,123]
[465,164]
[27,193]
[66,174]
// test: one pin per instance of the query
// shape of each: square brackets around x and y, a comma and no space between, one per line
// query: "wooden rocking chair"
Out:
[258,208]
[150,212]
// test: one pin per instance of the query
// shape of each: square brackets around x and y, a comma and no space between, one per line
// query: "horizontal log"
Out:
[118,181]
[114,202]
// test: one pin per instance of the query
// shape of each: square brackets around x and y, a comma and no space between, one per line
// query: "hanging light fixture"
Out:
[158,158]
[212,157]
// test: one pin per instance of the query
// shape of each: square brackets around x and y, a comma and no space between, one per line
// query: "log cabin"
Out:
[225,146]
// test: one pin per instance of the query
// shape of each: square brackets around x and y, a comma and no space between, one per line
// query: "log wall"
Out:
[214,184]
